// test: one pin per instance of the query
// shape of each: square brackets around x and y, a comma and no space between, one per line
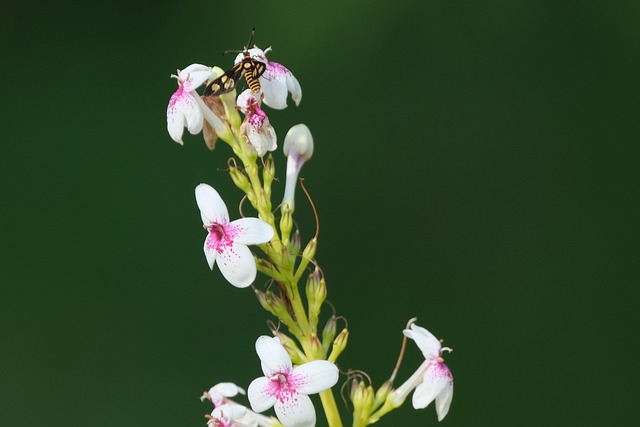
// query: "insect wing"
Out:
[252,71]
[226,82]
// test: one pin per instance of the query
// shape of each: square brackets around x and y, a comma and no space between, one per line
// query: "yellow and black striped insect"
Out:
[249,67]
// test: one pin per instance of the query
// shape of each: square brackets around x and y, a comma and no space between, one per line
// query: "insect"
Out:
[249,67]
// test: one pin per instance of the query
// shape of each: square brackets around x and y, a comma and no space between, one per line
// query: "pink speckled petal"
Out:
[425,340]
[212,207]
[209,253]
[296,411]
[237,265]
[274,86]
[259,397]
[443,400]
[273,355]
[436,378]
[316,376]
[253,231]
[183,111]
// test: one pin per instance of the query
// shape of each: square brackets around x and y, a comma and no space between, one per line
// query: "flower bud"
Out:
[299,139]
[329,333]
[310,250]
[240,179]
[339,344]
[286,221]
[316,291]
[382,393]
[294,244]
[298,147]
[268,173]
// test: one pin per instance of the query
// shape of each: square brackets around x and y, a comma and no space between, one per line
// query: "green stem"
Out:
[330,408]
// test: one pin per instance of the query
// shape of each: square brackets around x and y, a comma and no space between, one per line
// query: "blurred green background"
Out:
[476,166]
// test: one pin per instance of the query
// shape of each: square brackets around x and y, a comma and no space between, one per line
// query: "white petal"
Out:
[253,231]
[296,411]
[435,380]
[443,400]
[226,389]
[209,253]
[183,110]
[316,376]
[237,265]
[426,342]
[273,355]
[294,88]
[276,81]
[195,75]
[263,139]
[259,396]
[245,100]
[212,207]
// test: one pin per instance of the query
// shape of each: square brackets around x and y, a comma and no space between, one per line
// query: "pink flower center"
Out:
[221,237]
[255,114]
[284,387]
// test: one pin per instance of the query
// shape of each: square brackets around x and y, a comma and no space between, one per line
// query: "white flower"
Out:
[298,147]
[433,378]
[219,393]
[226,416]
[256,124]
[185,108]
[276,81]
[227,241]
[285,387]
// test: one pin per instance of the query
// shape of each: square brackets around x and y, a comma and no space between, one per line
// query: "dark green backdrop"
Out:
[476,166]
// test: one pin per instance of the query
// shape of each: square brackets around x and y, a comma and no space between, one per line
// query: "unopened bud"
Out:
[294,244]
[299,139]
[329,333]
[310,250]
[268,174]
[240,179]
[339,344]
[298,147]
[316,294]
[382,393]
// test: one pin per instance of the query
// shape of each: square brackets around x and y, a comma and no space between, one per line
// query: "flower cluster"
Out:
[300,358]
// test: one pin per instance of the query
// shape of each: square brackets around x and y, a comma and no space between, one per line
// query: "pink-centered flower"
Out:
[226,241]
[256,126]
[286,387]
[276,81]
[433,379]
[220,393]
[184,108]
[226,416]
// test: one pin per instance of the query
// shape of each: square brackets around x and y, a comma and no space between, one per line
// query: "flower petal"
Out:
[259,396]
[436,378]
[226,389]
[263,139]
[276,81]
[443,400]
[425,340]
[210,253]
[194,75]
[212,207]
[183,110]
[237,265]
[297,411]
[253,231]
[273,355]
[315,376]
